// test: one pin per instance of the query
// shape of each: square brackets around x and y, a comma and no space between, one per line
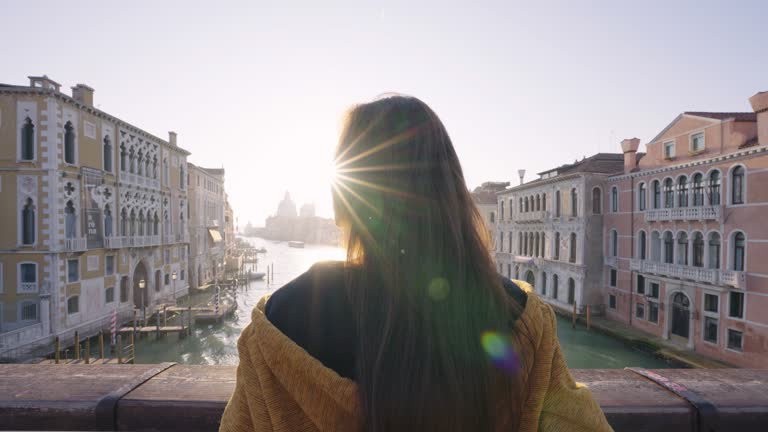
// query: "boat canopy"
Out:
[215,235]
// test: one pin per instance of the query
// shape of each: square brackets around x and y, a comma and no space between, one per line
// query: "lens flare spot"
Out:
[500,351]
[438,289]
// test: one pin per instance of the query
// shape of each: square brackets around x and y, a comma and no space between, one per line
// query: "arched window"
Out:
[572,257]
[614,199]
[682,248]
[571,291]
[669,248]
[147,167]
[536,249]
[520,243]
[123,158]
[107,154]
[574,203]
[530,244]
[107,221]
[73,305]
[154,168]
[28,140]
[131,161]
[493,217]
[557,246]
[526,204]
[642,245]
[124,222]
[70,220]
[28,223]
[156,227]
[140,163]
[737,185]
[614,248]
[510,242]
[544,202]
[525,244]
[714,251]
[739,250]
[182,182]
[544,283]
[521,203]
[538,202]
[501,210]
[656,194]
[698,189]
[596,201]
[641,196]
[141,223]
[714,188]
[698,249]
[501,241]
[655,246]
[543,245]
[132,223]
[69,143]
[555,283]
[166,178]
[669,197]
[557,203]
[682,191]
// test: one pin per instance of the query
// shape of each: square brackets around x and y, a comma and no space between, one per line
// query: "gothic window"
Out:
[69,143]
[133,223]
[572,257]
[714,250]
[28,140]
[656,194]
[596,198]
[140,163]
[131,161]
[123,158]
[714,188]
[107,154]
[682,248]
[682,191]
[156,225]
[614,249]
[107,221]
[70,220]
[669,247]
[698,249]
[574,203]
[642,245]
[739,249]
[28,222]
[737,185]
[557,203]
[571,291]
[641,196]
[154,167]
[557,246]
[124,222]
[544,202]
[614,199]
[669,197]
[141,222]
[698,190]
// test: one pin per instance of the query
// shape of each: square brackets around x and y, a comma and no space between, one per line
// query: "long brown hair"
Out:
[425,289]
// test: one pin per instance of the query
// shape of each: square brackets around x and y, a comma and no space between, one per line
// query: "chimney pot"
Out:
[759,104]
[521,173]
[83,94]
[172,138]
[629,147]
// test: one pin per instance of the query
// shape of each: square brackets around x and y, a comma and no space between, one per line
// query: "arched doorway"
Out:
[681,315]
[571,291]
[530,278]
[139,274]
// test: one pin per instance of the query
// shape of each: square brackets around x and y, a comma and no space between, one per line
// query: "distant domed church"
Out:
[286,208]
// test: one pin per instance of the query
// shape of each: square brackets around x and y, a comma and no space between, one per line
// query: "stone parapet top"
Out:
[192,398]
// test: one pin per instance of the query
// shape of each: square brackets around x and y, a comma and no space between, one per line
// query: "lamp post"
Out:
[173,276]
[142,285]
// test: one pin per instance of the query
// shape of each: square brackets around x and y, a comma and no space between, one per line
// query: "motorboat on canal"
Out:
[296,244]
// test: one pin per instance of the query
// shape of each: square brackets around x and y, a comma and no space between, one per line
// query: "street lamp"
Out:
[173,276]
[142,285]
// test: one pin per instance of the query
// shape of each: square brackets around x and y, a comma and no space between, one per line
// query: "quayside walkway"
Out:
[169,396]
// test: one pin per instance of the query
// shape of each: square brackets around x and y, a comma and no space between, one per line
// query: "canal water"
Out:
[216,344]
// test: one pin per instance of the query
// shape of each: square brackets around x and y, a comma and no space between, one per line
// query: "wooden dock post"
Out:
[157,327]
[589,318]
[87,350]
[120,349]
[573,321]
[77,346]
[101,345]
[135,315]
[165,316]
[189,323]
[57,348]
[133,349]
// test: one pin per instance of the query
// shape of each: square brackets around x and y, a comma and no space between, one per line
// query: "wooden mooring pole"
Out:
[87,350]
[133,349]
[120,348]
[101,345]
[573,320]
[57,349]
[589,318]
[77,346]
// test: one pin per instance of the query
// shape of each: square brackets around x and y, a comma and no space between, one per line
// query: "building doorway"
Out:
[681,314]
[140,274]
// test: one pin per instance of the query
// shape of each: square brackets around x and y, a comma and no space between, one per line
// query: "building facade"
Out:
[207,224]
[549,232]
[484,197]
[684,242]
[92,205]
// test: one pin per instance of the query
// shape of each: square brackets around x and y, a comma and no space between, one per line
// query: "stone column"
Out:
[45,313]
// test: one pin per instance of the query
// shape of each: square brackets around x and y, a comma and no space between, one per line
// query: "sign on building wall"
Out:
[92,179]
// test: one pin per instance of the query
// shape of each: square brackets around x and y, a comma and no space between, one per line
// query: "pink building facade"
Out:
[686,235]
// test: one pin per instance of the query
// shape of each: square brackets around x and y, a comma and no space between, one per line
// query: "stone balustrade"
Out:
[192,398]
[75,244]
[699,213]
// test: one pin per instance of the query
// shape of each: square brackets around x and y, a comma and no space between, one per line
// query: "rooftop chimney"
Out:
[83,94]
[521,173]
[172,138]
[760,107]
[43,82]
[629,147]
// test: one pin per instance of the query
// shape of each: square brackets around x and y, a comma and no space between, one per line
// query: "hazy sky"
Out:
[259,87]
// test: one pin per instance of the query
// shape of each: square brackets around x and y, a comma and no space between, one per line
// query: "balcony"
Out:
[701,213]
[116,242]
[140,180]
[611,261]
[678,271]
[169,239]
[182,238]
[27,287]
[735,279]
[531,217]
[75,244]
[635,264]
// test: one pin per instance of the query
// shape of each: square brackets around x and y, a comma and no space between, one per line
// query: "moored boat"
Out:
[296,244]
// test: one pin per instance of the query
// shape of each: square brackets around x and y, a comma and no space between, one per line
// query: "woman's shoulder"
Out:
[515,291]
[327,276]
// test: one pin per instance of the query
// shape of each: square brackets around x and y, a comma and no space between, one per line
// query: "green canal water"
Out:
[216,344]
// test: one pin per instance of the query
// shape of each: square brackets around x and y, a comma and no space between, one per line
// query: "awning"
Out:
[215,235]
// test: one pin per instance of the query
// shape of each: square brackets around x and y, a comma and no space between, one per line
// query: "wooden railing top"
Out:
[192,398]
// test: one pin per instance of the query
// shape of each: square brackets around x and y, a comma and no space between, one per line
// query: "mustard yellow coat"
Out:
[281,388]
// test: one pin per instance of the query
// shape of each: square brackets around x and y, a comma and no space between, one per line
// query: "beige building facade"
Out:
[91,205]
[208,236]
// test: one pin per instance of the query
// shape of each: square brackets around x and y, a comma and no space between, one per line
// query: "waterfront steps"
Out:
[168,396]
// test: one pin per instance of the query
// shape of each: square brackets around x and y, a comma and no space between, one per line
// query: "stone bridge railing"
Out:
[192,398]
